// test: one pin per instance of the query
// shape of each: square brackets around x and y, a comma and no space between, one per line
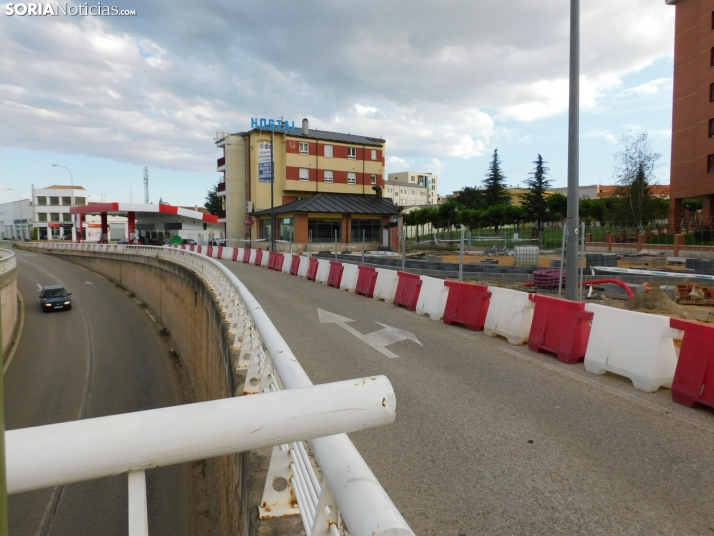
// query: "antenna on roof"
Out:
[146,185]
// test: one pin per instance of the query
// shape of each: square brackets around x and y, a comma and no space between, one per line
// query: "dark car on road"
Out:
[54,298]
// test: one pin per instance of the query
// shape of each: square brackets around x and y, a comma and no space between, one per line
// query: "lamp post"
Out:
[571,281]
[71,182]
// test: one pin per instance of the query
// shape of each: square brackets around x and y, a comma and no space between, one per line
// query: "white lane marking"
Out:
[91,285]
[611,390]
[21,326]
[377,339]
[39,287]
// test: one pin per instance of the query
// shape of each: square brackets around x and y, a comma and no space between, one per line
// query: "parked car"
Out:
[123,241]
[189,241]
[219,242]
[55,297]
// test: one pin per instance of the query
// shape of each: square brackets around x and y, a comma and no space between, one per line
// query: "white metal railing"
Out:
[348,489]
[7,260]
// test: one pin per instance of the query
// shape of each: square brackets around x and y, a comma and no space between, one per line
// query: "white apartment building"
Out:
[411,188]
[51,211]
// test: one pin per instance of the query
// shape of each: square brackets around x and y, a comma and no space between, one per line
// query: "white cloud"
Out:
[606,134]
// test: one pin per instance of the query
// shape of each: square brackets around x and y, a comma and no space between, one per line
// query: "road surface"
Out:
[103,357]
[493,439]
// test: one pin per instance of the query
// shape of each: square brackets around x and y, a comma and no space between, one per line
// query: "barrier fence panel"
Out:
[466,304]
[432,297]
[560,327]
[350,274]
[510,315]
[408,289]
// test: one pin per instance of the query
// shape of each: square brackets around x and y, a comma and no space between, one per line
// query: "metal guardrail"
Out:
[349,488]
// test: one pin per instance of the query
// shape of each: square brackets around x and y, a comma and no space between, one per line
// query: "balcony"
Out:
[221,186]
[221,162]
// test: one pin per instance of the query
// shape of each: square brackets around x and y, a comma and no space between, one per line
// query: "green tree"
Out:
[557,207]
[472,198]
[494,191]
[534,202]
[471,218]
[635,166]
[214,203]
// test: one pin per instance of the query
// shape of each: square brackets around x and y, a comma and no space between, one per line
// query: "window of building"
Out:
[66,216]
[323,229]
[265,228]
[352,178]
[711,128]
[374,179]
[328,151]
[711,92]
[286,230]
[41,200]
[304,174]
[369,230]
[411,179]
[352,153]
[80,201]
[41,216]
[54,216]
[304,147]
[66,201]
[329,175]
[710,163]
[712,20]
[54,201]
[374,154]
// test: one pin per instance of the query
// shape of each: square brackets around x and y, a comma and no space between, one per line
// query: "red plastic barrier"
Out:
[408,290]
[561,327]
[693,382]
[467,305]
[258,256]
[335,276]
[295,265]
[312,269]
[278,262]
[193,248]
[246,256]
[199,249]
[219,255]
[366,281]
[209,251]
[236,251]
[183,246]
[271,260]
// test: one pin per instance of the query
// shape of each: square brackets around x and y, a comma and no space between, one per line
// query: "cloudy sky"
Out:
[445,82]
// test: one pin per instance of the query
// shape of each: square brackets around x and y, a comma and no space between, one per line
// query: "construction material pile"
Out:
[656,301]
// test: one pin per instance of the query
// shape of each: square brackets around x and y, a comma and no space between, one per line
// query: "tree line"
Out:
[491,205]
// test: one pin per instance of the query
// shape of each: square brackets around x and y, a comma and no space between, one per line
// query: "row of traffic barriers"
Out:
[640,346]
[347,488]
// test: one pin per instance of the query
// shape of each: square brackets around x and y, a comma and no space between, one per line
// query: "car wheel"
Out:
[69,307]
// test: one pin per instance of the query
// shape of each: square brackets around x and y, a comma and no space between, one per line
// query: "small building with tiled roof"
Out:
[349,219]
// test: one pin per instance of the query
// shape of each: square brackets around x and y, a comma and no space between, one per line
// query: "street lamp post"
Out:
[571,228]
[71,182]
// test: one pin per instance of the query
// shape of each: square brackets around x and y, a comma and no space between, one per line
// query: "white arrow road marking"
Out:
[377,339]
[39,287]
[91,285]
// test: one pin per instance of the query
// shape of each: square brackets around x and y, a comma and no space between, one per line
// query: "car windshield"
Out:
[55,293]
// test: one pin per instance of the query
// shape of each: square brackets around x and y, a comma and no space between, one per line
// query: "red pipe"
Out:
[630,293]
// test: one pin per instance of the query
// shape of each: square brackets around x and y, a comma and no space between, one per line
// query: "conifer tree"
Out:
[534,202]
[494,184]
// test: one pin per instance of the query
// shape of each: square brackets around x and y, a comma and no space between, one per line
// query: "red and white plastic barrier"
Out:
[432,298]
[323,271]
[638,346]
[510,315]
[386,286]
[350,273]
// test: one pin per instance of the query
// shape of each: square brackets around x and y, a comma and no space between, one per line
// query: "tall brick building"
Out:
[692,166]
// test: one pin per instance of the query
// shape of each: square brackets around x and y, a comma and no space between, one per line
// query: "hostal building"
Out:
[307,162]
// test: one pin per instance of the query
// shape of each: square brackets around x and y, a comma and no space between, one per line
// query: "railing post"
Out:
[138,516]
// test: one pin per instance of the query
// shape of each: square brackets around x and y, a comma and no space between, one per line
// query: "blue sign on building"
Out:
[273,124]
[265,162]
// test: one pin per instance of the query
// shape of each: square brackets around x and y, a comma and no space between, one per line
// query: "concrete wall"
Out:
[8,303]
[187,309]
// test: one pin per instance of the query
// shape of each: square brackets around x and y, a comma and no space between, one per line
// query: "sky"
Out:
[444,82]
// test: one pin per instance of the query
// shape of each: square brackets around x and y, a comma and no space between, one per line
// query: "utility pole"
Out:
[146,185]
[272,190]
[571,227]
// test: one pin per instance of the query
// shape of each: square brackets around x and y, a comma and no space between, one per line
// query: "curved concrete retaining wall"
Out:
[187,309]
[8,298]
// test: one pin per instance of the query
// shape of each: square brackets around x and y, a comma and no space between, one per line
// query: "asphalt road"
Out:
[103,357]
[493,439]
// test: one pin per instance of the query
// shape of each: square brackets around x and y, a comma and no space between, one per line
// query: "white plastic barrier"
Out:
[432,297]
[386,286]
[265,259]
[350,273]
[241,252]
[510,315]
[253,253]
[323,271]
[636,345]
[304,265]
[287,261]
[227,254]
